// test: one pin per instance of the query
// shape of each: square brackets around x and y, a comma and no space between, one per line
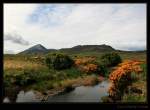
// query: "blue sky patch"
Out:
[50,14]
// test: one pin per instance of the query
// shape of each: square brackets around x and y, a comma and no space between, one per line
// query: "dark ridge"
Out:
[40,49]
[89,48]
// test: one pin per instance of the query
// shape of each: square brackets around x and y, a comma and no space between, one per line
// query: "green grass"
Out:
[144,73]
[24,72]
[134,98]
[73,72]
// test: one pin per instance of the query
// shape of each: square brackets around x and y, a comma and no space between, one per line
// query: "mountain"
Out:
[88,48]
[35,49]
[76,49]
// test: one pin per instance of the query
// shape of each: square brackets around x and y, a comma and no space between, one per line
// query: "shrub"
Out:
[32,76]
[90,65]
[48,62]
[62,62]
[84,61]
[89,68]
[23,78]
[73,72]
[102,70]
[111,59]
[7,80]
[28,77]
[121,78]
[143,76]
[59,61]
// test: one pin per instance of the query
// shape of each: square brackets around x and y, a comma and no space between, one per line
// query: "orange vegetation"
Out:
[21,65]
[125,68]
[90,68]
[122,76]
[85,64]
[81,61]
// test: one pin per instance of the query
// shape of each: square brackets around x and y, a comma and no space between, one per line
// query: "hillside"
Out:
[88,48]
[76,49]
[36,50]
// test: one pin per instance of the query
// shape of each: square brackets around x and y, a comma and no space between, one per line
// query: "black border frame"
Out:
[100,105]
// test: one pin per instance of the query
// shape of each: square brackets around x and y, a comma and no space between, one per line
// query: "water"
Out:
[28,96]
[79,94]
[6,100]
[83,94]
[22,96]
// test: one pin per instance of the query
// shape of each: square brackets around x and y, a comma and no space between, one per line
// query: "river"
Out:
[79,94]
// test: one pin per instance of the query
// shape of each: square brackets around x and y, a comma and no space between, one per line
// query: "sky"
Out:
[122,26]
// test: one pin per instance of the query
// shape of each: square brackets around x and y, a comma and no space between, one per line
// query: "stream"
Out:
[79,94]
[83,94]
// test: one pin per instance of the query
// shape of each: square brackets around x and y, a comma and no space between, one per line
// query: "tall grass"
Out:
[32,75]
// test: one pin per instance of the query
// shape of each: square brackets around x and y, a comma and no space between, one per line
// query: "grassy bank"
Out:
[28,74]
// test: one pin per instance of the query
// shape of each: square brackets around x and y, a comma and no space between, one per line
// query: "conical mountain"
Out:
[35,49]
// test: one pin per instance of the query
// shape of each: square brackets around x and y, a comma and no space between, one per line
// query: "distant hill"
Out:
[35,49]
[40,49]
[76,49]
[88,48]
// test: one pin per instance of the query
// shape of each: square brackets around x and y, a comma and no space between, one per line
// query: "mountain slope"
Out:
[76,49]
[39,49]
[35,49]
[88,48]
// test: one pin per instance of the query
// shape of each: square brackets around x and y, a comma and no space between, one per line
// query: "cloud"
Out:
[9,52]
[123,26]
[15,38]
[50,15]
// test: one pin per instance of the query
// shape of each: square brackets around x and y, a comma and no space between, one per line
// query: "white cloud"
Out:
[122,26]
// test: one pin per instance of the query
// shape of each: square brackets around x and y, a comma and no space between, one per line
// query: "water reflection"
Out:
[6,100]
[83,94]
[26,97]
[79,94]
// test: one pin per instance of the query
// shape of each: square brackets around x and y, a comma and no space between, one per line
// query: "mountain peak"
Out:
[39,46]
[35,49]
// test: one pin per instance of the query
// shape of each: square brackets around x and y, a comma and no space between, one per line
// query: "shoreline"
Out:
[69,84]
[57,91]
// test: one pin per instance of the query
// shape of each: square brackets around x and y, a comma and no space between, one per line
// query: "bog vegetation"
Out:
[56,71]
[59,61]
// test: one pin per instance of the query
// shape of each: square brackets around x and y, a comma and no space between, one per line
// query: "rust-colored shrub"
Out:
[84,61]
[121,77]
[89,65]
[90,68]
[85,64]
